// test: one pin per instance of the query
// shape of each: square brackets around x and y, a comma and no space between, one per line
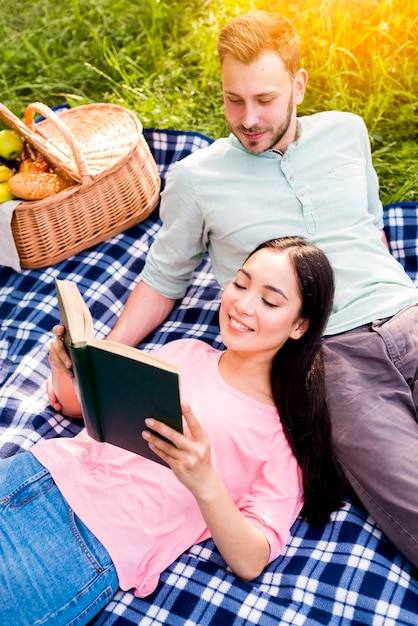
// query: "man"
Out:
[279,175]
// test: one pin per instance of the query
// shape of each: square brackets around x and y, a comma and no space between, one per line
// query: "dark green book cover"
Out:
[118,386]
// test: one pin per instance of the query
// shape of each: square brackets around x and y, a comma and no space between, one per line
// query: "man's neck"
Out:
[292,135]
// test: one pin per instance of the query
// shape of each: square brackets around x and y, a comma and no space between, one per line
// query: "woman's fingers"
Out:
[58,355]
[196,431]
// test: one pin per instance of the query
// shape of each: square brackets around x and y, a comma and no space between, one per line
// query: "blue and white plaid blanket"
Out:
[345,573]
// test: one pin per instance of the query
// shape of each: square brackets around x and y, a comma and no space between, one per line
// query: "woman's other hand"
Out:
[188,454]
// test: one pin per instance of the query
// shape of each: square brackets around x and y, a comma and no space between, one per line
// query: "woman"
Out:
[80,518]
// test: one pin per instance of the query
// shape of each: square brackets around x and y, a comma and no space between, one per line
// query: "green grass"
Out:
[159,59]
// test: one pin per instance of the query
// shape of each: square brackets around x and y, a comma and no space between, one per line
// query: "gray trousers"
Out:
[372,392]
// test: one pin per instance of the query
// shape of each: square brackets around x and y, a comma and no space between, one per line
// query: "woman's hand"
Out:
[50,392]
[59,358]
[188,455]
[243,546]
[59,386]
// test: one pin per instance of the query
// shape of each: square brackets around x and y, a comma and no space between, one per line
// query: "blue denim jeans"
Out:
[53,570]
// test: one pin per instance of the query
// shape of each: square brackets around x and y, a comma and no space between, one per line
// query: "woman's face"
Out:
[260,308]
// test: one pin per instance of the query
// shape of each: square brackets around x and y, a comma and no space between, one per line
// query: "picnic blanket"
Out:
[344,573]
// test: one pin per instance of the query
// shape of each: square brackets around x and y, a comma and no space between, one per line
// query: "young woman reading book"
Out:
[81,518]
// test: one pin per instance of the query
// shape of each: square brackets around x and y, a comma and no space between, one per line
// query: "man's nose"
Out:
[250,116]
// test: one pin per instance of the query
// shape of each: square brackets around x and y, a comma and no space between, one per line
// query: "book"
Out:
[118,386]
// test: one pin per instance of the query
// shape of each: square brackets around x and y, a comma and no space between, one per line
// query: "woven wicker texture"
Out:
[101,146]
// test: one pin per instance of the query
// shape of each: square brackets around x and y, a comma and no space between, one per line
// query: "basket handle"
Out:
[50,115]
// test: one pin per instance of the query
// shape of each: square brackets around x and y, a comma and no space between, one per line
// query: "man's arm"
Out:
[178,244]
[144,310]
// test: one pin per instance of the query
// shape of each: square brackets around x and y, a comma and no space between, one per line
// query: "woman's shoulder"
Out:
[192,350]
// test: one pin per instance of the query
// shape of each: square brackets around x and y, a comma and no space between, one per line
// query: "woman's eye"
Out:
[237,285]
[269,304]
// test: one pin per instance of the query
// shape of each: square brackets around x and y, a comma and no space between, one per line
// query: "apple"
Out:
[5,193]
[5,173]
[11,144]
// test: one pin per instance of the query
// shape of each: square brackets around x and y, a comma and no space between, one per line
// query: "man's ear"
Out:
[300,328]
[299,86]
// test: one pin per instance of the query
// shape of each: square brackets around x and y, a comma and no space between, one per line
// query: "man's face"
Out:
[260,101]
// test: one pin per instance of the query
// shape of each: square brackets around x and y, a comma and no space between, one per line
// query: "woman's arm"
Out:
[243,546]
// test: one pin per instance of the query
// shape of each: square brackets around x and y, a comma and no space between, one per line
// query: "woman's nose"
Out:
[245,305]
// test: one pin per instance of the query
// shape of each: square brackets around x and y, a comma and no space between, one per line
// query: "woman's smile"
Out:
[239,325]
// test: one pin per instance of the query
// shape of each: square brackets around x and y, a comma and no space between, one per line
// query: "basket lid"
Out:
[84,141]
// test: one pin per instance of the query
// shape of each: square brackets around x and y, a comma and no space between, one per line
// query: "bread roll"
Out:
[31,186]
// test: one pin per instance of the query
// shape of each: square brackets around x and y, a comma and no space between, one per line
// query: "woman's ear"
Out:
[300,328]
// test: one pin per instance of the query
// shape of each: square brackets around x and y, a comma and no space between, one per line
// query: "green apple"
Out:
[11,144]
[5,173]
[5,193]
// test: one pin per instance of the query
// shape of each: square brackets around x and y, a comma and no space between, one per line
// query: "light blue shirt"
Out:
[225,200]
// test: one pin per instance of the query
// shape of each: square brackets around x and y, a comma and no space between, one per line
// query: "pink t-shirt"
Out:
[140,511]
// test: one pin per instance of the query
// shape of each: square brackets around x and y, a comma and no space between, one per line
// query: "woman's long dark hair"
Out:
[298,381]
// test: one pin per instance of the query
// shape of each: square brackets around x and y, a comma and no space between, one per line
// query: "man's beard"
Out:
[279,134]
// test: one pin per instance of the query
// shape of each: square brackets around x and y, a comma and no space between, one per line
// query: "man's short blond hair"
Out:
[250,35]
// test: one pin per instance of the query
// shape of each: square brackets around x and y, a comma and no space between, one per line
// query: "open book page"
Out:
[74,313]
[76,318]
[133,353]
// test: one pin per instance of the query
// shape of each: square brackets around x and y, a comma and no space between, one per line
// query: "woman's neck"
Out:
[249,375]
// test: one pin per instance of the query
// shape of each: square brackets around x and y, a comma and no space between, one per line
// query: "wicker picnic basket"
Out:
[102,148]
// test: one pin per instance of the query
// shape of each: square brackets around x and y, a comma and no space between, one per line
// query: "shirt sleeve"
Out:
[374,203]
[181,242]
[276,499]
